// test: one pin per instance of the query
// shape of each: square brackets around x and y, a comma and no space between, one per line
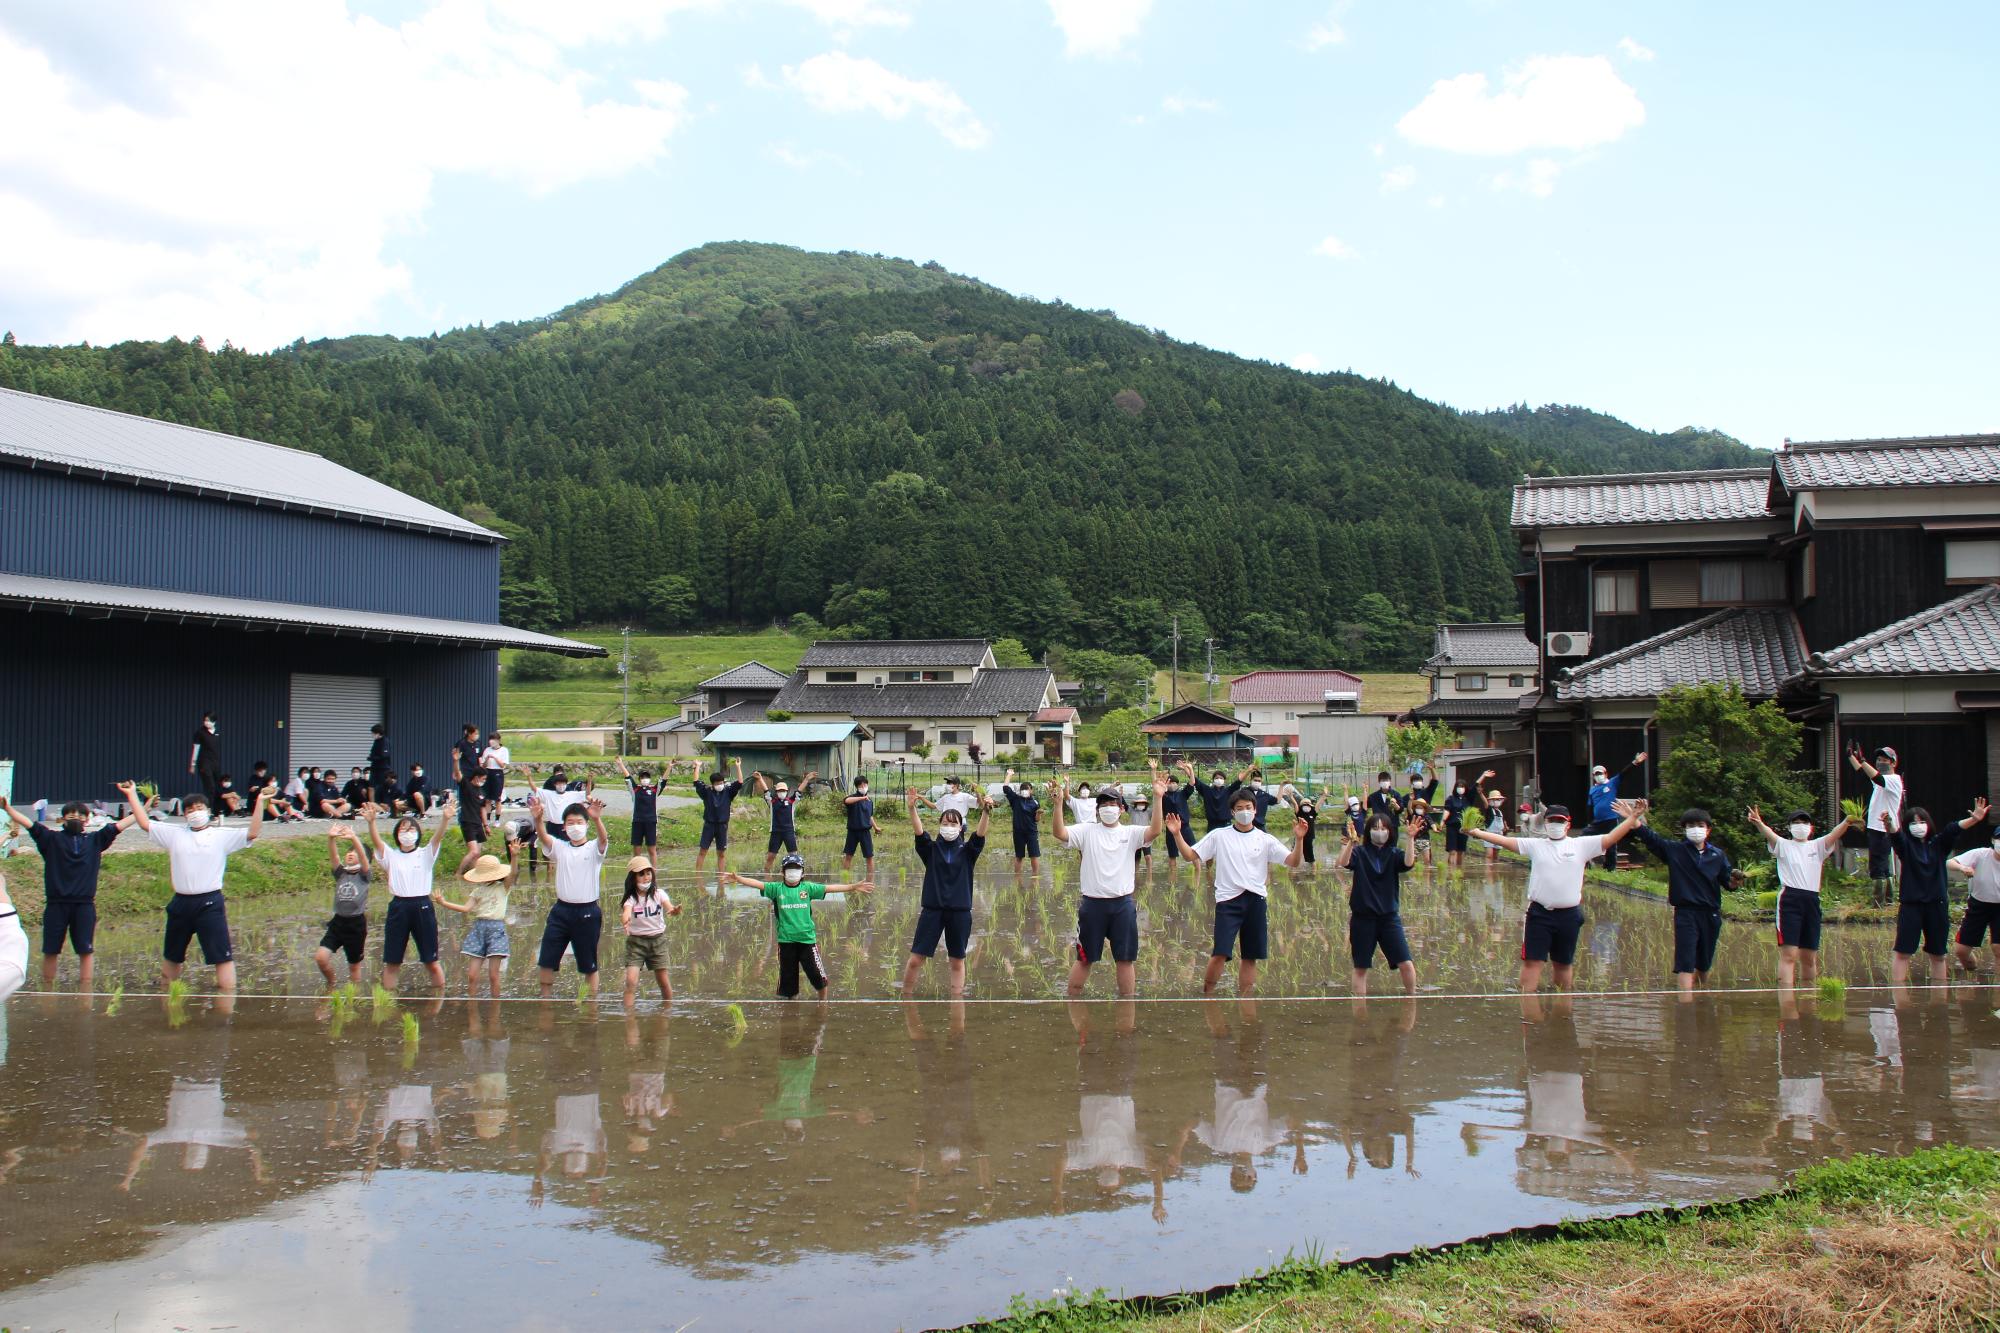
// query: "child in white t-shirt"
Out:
[1801,857]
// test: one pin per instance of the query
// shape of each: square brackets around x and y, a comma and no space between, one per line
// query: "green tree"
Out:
[1011,653]
[530,604]
[1120,681]
[1723,756]
[670,602]
[528,666]
[645,665]
[1117,734]
[1419,741]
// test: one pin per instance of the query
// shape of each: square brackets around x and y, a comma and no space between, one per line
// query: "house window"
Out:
[959,738]
[1471,681]
[1615,592]
[1972,562]
[892,742]
[1736,582]
[652,742]
[1517,682]
[1291,717]
[694,715]
[921,677]
[1019,737]
[1673,583]
[1476,736]
[840,677]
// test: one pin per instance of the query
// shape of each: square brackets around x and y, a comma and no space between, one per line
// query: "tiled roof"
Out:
[1717,494]
[1933,460]
[1473,710]
[1962,635]
[989,694]
[1277,687]
[843,653]
[752,675]
[1495,644]
[1057,714]
[95,441]
[1192,718]
[749,710]
[782,733]
[1754,648]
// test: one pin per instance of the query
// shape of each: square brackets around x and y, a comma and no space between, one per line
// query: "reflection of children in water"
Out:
[1377,1047]
[1241,1128]
[486,1047]
[801,1034]
[349,1103]
[1107,1067]
[647,1101]
[576,1144]
[948,1139]
[410,1113]
[1563,1152]
[1803,1106]
[197,1121]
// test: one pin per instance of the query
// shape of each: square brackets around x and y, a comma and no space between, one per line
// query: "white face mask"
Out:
[860,791]
[1800,832]
[419,773]
[407,839]
[1378,836]
[1696,834]
[197,819]
[1107,815]
[782,793]
[1217,783]
[576,832]
[1083,793]
[1920,830]
[1385,785]
[1352,806]
[792,877]
[1461,791]
[949,832]
[1558,831]
[1243,818]
[1256,784]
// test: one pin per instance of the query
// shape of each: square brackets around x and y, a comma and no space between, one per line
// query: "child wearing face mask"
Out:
[411,865]
[1922,845]
[576,918]
[861,828]
[1464,796]
[783,800]
[197,855]
[1215,794]
[1107,913]
[1495,816]
[646,808]
[71,860]
[1697,873]
[347,928]
[791,900]
[1981,866]
[485,948]
[1801,858]
[644,912]
[1243,855]
[1375,911]
[1556,866]
[946,913]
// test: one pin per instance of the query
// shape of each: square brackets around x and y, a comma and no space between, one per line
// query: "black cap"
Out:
[1555,812]
[1110,796]
[792,861]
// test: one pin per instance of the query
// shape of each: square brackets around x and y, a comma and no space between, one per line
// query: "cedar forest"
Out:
[869,447]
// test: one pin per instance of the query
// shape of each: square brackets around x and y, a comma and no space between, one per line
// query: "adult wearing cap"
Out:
[1107,913]
[1885,816]
[1603,800]
[1556,864]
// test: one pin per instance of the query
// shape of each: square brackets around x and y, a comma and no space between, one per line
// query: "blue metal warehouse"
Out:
[151,572]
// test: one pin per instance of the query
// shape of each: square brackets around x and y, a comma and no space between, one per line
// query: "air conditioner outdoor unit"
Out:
[878,682]
[1341,701]
[1567,643]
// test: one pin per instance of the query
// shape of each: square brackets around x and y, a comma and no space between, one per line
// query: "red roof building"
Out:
[1268,703]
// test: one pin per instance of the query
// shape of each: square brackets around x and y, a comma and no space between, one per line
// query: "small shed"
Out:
[1196,729]
[791,749]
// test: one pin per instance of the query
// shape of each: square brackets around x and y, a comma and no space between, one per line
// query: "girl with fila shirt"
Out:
[1800,858]
[645,912]
[1556,866]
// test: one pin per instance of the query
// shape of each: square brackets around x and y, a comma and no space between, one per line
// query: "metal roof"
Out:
[751,675]
[1503,643]
[1932,460]
[94,441]
[781,733]
[122,602]
[1959,636]
[842,653]
[1276,687]
[990,693]
[1476,710]
[1712,495]
[1192,718]
[1753,648]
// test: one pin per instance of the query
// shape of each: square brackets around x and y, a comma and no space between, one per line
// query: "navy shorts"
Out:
[1798,919]
[1455,840]
[1881,860]
[410,919]
[862,838]
[198,916]
[471,823]
[1115,920]
[714,834]
[785,838]
[1928,922]
[1550,935]
[1368,931]
[576,925]
[645,832]
[76,919]
[496,784]
[348,935]
[1979,918]
[1696,929]
[1028,843]
[951,924]
[1243,919]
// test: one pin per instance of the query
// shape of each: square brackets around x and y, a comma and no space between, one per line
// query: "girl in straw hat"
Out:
[646,909]
[488,882]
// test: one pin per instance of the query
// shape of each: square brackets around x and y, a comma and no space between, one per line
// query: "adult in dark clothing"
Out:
[70,862]
[466,776]
[381,768]
[946,913]
[1026,810]
[1697,873]
[1387,802]
[1923,845]
[1603,799]
[205,761]
[1464,796]
[716,797]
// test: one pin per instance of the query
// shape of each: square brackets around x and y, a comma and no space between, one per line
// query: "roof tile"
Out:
[1274,687]
[1961,635]
[1938,460]
[843,653]
[1716,494]
[989,694]
[1755,648]
[1494,644]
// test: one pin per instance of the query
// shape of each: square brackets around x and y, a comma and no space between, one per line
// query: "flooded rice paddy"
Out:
[285,1162]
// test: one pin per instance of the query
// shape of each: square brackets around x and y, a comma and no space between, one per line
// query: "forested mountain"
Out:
[754,433]
[1578,429]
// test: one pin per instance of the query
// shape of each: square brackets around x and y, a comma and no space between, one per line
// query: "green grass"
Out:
[590,696]
[1903,1236]
[1381,691]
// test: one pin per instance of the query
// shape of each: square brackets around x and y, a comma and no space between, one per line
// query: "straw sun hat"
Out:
[487,869]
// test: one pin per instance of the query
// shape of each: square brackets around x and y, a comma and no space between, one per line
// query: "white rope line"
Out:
[609,994]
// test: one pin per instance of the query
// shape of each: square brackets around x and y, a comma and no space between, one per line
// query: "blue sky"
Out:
[1772,219]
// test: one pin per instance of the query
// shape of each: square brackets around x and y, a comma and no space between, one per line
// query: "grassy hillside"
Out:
[590,696]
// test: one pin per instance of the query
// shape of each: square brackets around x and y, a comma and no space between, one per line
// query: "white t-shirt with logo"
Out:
[1556,867]
[962,801]
[1243,860]
[1800,863]
[579,869]
[410,873]
[196,857]
[1984,863]
[1885,798]
[1107,857]
[495,758]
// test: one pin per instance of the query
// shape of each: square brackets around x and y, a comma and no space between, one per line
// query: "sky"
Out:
[1774,219]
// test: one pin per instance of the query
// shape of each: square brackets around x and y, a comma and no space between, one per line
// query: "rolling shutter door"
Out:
[330,719]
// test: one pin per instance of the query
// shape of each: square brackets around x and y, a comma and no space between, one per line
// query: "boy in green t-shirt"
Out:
[791,906]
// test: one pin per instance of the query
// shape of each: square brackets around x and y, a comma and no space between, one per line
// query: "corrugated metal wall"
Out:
[86,702]
[59,526]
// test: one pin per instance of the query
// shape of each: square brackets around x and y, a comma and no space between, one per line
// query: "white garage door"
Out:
[330,719]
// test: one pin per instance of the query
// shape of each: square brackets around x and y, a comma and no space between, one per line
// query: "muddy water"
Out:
[274,1163]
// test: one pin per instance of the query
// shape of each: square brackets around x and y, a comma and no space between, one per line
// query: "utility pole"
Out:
[1174,681]
[625,687]
[1211,671]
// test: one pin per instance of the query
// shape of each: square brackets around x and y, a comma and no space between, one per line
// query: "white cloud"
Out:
[1538,179]
[837,82]
[1397,179]
[1305,361]
[1378,149]
[1327,32]
[1547,102]
[1634,51]
[237,170]
[1435,201]
[1332,247]
[755,77]
[855,13]
[1175,106]
[1098,27]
